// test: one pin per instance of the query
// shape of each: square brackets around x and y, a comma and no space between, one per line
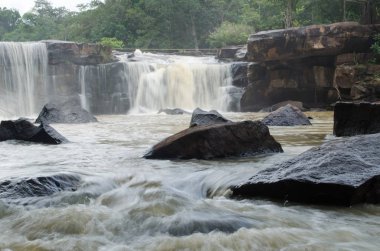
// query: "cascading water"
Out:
[23,71]
[152,82]
[180,82]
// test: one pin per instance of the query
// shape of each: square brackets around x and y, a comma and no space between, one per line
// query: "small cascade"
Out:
[23,71]
[178,82]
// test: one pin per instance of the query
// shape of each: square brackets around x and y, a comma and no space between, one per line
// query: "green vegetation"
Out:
[112,42]
[230,34]
[375,47]
[175,23]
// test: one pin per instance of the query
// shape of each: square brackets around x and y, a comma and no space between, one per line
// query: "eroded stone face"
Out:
[315,40]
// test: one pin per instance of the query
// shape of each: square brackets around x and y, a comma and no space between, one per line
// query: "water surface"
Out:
[125,202]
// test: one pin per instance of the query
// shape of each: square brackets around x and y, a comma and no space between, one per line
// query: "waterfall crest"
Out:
[23,71]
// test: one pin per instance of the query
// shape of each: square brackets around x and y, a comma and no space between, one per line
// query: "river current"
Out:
[125,202]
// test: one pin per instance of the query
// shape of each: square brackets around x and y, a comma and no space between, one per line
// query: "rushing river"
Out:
[125,202]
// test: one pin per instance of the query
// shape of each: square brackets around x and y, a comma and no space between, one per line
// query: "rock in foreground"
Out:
[22,129]
[69,111]
[201,117]
[353,119]
[288,115]
[235,139]
[175,111]
[39,186]
[342,172]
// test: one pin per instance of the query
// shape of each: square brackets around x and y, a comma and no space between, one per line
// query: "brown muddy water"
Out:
[125,202]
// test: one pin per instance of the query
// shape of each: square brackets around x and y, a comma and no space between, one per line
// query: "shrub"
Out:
[229,34]
[112,42]
[375,47]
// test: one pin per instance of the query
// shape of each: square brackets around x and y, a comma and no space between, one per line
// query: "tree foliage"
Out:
[175,23]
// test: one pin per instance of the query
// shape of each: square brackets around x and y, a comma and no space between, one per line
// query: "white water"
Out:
[23,72]
[125,202]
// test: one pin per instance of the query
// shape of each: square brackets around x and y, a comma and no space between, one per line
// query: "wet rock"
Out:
[64,52]
[38,187]
[232,52]
[315,40]
[239,74]
[65,111]
[175,111]
[353,119]
[201,117]
[274,107]
[234,139]
[288,115]
[22,129]
[341,172]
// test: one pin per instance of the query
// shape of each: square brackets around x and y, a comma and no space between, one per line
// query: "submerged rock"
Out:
[67,111]
[353,119]
[341,172]
[212,117]
[39,186]
[22,129]
[175,111]
[288,115]
[235,139]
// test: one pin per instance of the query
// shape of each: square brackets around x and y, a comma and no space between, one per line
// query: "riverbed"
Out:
[125,202]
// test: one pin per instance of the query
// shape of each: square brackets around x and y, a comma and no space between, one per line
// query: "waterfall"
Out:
[23,71]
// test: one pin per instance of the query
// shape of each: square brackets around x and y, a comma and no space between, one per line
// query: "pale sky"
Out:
[26,5]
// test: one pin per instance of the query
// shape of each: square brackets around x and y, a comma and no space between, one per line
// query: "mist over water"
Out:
[23,72]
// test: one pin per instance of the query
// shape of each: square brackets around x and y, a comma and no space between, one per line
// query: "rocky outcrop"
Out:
[236,53]
[38,186]
[68,111]
[200,117]
[237,139]
[310,41]
[22,129]
[63,52]
[309,64]
[239,74]
[341,172]
[353,119]
[286,116]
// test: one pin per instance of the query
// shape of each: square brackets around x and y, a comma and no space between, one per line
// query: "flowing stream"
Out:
[125,202]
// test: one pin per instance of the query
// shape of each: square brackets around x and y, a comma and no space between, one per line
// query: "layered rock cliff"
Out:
[316,65]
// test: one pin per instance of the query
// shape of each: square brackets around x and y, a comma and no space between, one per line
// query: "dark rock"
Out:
[232,53]
[274,107]
[341,172]
[65,111]
[288,115]
[353,58]
[175,111]
[239,74]
[201,117]
[239,139]
[39,186]
[315,40]
[22,129]
[64,52]
[352,119]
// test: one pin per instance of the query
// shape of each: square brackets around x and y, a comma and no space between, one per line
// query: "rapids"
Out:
[125,202]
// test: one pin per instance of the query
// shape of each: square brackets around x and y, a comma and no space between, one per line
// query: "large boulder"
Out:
[22,129]
[274,107]
[235,139]
[315,40]
[65,111]
[341,172]
[200,117]
[352,119]
[288,115]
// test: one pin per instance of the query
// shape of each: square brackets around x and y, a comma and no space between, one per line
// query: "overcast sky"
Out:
[25,5]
